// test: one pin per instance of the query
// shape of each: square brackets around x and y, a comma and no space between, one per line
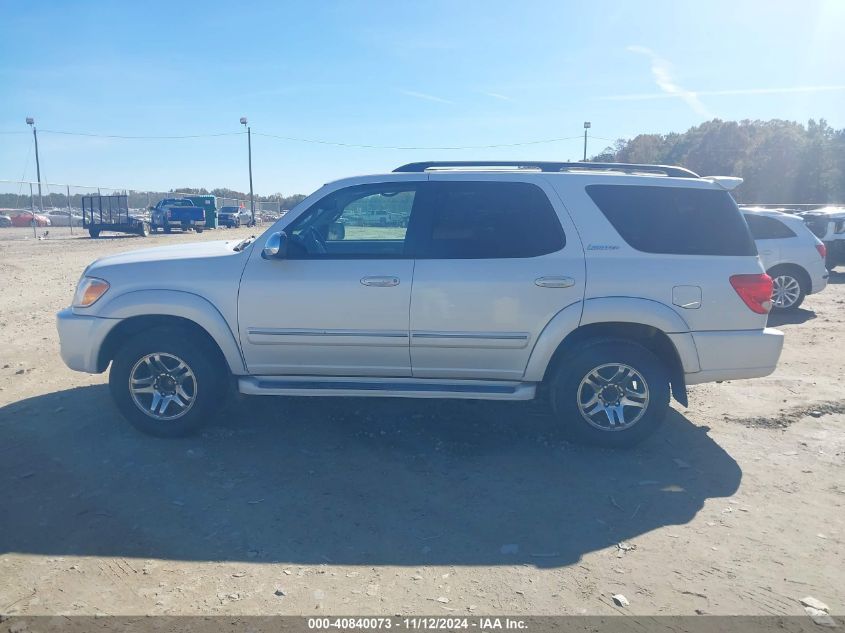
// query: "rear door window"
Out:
[675,220]
[487,220]
[766,228]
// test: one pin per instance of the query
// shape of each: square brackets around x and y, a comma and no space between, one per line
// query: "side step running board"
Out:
[385,387]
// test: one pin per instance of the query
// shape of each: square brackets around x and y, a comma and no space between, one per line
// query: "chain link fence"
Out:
[59,206]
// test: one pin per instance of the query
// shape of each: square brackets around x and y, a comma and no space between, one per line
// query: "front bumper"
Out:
[735,354]
[81,338]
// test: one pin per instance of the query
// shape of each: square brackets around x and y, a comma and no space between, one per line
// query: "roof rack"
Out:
[626,168]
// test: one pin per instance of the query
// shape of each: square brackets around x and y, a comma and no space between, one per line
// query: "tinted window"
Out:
[487,220]
[360,221]
[675,220]
[766,228]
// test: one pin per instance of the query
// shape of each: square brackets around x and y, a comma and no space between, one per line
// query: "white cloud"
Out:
[661,71]
[424,96]
[718,93]
[499,96]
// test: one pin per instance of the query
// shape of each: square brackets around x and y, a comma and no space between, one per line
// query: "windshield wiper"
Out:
[243,243]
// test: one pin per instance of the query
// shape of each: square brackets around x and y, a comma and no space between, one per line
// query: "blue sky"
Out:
[410,74]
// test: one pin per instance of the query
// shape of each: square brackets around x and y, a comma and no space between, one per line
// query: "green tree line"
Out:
[780,161]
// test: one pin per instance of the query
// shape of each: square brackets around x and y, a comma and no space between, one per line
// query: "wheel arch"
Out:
[142,310]
[650,323]
[653,339]
[796,269]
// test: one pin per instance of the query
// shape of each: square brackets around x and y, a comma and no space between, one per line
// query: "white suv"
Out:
[793,257]
[603,286]
[828,224]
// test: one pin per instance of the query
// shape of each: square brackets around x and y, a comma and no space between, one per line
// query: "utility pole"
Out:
[586,127]
[30,121]
[249,147]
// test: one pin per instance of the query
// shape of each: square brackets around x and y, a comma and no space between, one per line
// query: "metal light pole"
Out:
[249,147]
[586,127]
[69,211]
[31,122]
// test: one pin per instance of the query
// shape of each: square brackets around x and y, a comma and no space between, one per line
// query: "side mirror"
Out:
[276,246]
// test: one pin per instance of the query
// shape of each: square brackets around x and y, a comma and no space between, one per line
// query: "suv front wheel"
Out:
[610,392]
[167,382]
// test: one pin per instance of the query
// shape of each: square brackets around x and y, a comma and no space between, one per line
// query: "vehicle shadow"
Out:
[791,317]
[343,481]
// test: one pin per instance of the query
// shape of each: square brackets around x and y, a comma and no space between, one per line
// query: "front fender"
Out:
[182,304]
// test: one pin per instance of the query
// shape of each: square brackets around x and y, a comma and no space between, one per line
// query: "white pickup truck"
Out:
[604,287]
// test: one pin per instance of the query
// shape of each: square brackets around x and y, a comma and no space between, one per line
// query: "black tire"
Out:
[578,365]
[167,228]
[199,229]
[208,387]
[144,229]
[788,277]
[94,233]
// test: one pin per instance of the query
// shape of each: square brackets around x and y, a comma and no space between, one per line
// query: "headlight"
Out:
[89,290]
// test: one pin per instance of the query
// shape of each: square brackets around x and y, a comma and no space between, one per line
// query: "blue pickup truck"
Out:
[176,213]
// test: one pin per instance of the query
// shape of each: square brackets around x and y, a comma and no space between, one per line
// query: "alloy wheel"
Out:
[163,386]
[613,397]
[785,291]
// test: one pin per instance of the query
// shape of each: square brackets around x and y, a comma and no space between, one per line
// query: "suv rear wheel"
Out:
[610,392]
[167,382]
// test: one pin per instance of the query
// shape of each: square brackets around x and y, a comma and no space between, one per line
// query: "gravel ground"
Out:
[359,506]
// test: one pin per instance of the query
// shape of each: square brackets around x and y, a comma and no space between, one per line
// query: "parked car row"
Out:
[167,215]
[25,217]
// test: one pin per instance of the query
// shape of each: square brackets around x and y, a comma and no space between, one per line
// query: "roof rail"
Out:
[627,168]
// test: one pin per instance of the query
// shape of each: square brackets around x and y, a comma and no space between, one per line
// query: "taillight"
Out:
[822,249]
[755,291]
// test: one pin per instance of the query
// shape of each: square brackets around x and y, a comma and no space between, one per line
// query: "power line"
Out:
[124,136]
[309,140]
[362,146]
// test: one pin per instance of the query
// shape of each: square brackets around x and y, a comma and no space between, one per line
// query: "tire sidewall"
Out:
[586,357]
[191,349]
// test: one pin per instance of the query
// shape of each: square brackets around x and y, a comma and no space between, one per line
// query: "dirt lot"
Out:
[305,506]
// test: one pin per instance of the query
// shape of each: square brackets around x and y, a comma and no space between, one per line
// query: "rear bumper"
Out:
[80,339]
[178,223]
[735,354]
[818,275]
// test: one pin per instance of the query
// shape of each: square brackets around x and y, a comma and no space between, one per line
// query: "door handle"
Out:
[380,282]
[554,282]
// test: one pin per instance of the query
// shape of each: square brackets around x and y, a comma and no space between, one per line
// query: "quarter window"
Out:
[488,220]
[674,220]
[766,228]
